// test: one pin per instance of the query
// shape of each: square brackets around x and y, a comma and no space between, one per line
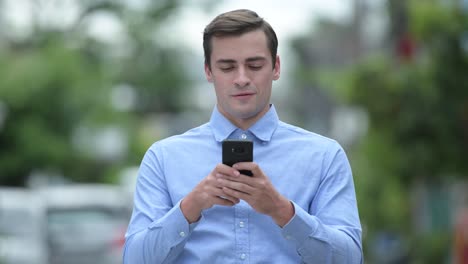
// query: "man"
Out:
[299,205]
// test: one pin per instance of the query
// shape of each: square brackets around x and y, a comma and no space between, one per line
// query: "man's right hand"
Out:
[207,193]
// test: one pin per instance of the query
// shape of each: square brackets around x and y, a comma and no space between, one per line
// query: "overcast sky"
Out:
[288,18]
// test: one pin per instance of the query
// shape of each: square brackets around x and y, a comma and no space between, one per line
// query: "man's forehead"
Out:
[253,40]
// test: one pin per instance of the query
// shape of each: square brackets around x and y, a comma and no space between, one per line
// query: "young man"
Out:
[299,205]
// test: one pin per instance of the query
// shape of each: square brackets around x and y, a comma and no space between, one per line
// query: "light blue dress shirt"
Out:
[310,170]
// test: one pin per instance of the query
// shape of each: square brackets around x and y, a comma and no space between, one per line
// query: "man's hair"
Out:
[236,23]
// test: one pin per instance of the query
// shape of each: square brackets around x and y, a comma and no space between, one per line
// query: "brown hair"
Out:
[235,23]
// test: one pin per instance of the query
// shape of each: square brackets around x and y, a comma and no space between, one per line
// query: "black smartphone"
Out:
[235,151]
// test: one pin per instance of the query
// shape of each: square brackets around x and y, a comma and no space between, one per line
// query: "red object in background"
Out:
[119,240]
[461,238]
[406,47]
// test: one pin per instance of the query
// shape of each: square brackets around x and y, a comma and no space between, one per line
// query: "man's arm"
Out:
[329,231]
[158,229]
[161,242]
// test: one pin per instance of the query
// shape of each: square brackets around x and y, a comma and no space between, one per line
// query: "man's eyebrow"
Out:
[257,58]
[251,59]
[225,61]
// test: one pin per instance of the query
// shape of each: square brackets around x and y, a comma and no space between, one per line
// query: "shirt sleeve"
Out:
[158,230]
[329,231]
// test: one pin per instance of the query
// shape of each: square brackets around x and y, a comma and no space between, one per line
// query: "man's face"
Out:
[242,74]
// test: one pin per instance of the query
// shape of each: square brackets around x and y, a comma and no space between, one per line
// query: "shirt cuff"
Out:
[175,225]
[301,226]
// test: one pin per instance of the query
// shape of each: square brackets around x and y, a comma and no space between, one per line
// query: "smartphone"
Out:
[235,151]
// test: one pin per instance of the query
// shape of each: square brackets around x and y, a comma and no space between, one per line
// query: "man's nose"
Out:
[242,79]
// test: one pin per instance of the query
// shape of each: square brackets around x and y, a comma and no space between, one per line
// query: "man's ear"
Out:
[277,69]
[208,74]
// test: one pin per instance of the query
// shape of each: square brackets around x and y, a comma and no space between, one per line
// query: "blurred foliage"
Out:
[46,91]
[421,106]
[57,80]
[418,115]
[415,92]
[431,248]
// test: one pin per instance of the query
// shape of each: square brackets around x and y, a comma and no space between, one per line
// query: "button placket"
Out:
[242,232]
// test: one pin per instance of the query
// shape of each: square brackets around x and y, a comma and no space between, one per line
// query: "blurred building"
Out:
[334,46]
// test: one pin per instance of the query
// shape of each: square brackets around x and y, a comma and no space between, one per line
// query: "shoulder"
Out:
[314,145]
[192,136]
[305,137]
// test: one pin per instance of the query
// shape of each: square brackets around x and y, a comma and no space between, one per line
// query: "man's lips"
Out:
[242,95]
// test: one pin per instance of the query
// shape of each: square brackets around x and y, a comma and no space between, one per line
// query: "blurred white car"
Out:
[22,227]
[86,223]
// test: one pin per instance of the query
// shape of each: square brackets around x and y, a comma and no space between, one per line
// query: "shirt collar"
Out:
[263,129]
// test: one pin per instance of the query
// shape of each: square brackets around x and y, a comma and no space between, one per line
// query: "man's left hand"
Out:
[258,192]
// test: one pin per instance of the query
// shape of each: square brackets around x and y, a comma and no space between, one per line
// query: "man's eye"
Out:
[226,69]
[255,67]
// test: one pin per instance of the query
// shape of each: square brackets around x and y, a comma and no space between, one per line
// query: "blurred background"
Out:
[86,86]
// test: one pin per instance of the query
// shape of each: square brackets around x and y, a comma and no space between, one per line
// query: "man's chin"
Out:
[245,113]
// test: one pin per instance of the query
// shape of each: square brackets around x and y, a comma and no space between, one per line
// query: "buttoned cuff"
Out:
[300,227]
[176,227]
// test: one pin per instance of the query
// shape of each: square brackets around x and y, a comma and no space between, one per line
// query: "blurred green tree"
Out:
[415,92]
[420,106]
[56,79]
[417,102]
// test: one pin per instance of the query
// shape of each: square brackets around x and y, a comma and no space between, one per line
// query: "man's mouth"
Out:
[243,95]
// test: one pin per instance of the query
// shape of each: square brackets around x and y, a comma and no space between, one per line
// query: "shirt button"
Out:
[241,224]
[243,136]
[243,256]
[182,234]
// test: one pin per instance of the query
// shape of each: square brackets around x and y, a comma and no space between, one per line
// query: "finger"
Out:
[242,179]
[236,185]
[237,178]
[240,195]
[251,166]
[224,176]
[224,202]
[226,170]
[219,193]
